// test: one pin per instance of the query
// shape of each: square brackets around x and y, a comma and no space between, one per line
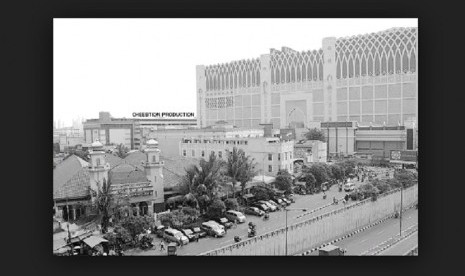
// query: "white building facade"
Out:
[370,78]
[270,154]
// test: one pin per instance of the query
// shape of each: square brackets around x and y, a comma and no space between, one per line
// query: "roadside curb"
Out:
[394,242]
[351,234]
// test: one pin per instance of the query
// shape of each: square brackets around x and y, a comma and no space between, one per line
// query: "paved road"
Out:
[277,220]
[374,238]
[402,247]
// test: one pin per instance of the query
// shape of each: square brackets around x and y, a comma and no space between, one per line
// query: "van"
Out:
[173,235]
[349,186]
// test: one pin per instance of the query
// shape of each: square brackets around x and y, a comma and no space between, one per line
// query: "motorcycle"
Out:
[251,233]
[237,239]
[266,217]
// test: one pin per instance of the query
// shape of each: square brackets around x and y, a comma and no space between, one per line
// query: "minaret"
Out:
[154,172]
[98,168]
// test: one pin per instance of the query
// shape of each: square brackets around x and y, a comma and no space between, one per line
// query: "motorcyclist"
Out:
[267,216]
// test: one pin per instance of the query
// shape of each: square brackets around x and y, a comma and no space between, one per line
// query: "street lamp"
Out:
[293,209]
[400,217]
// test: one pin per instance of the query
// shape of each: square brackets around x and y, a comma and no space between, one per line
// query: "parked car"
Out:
[225,222]
[199,231]
[213,229]
[271,207]
[160,230]
[287,201]
[235,216]
[279,201]
[277,205]
[190,234]
[173,235]
[261,206]
[254,211]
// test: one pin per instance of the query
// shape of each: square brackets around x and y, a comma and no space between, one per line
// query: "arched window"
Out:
[277,76]
[338,69]
[154,159]
[288,77]
[240,80]
[283,75]
[208,83]
[383,64]
[222,81]
[351,68]
[227,81]
[292,74]
[357,67]
[304,72]
[398,64]
[391,64]
[258,78]
[272,76]
[377,65]
[320,71]
[253,79]
[235,80]
[344,69]
[215,87]
[413,61]
[405,62]
[315,72]
[364,66]
[370,65]
[309,72]
[98,161]
[299,75]
[231,80]
[244,79]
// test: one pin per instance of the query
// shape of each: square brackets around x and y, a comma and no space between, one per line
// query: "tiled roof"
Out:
[135,158]
[113,160]
[127,173]
[70,178]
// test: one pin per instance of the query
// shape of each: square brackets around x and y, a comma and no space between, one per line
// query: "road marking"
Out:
[380,232]
[364,240]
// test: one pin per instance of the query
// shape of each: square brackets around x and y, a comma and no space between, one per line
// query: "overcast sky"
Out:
[148,65]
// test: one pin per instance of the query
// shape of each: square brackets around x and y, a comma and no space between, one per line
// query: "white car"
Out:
[349,186]
[269,205]
[174,235]
[235,216]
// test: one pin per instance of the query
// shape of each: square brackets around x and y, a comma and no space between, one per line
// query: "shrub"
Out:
[231,204]
[216,209]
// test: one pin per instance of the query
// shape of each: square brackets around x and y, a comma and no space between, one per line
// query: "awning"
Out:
[93,241]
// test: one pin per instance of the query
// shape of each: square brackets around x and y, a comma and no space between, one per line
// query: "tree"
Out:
[121,151]
[231,204]
[405,178]
[190,200]
[103,204]
[337,171]
[261,194]
[284,181]
[216,209]
[247,172]
[319,172]
[348,166]
[381,185]
[315,134]
[310,181]
[368,190]
[136,225]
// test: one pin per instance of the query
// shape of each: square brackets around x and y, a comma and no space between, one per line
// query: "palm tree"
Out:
[238,168]
[121,151]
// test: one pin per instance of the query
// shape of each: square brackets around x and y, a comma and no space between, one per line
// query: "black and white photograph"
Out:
[235,137]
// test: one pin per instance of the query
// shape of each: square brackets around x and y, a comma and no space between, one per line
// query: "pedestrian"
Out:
[235,224]
[197,238]
[162,246]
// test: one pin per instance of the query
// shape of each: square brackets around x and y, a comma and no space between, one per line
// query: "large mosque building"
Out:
[370,79]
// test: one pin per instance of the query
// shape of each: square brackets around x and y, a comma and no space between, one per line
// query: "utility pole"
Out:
[400,217]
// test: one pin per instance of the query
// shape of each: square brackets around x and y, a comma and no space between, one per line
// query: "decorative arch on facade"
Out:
[385,52]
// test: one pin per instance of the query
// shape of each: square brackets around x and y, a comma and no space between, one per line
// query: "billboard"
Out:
[404,156]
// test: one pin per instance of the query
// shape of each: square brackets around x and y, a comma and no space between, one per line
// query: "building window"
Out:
[156,193]
[203,153]
[270,156]
[279,156]
[220,154]
[285,156]
[213,152]
[245,142]
[184,152]
[98,161]
[270,168]
[154,160]
[290,155]
[193,153]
